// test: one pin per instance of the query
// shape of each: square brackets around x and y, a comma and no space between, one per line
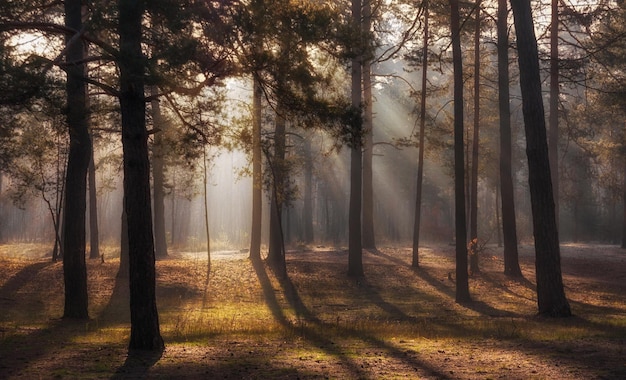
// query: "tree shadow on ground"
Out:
[137,364]
[314,331]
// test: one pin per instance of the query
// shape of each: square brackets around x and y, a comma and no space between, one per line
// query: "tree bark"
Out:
[369,240]
[473,250]
[507,192]
[123,269]
[255,234]
[550,293]
[462,281]
[420,159]
[307,212]
[276,253]
[158,176]
[144,331]
[355,251]
[553,141]
[74,267]
[94,236]
[624,206]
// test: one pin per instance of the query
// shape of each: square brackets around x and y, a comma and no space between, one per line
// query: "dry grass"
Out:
[243,322]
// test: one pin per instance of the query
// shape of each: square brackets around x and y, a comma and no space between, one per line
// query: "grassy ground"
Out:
[242,322]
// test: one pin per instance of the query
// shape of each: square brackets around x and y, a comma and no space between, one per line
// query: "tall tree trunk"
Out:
[276,253]
[158,175]
[207,231]
[509,227]
[369,240]
[420,159]
[123,269]
[255,234]
[355,251]
[462,281]
[307,212]
[550,293]
[94,235]
[553,141]
[74,267]
[624,206]
[473,250]
[144,318]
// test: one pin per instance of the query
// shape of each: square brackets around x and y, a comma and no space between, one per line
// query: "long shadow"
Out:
[477,306]
[292,296]
[295,301]
[22,277]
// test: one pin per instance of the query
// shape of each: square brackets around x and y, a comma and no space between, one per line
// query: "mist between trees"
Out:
[193,108]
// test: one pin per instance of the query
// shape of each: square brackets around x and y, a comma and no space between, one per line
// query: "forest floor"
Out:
[244,323]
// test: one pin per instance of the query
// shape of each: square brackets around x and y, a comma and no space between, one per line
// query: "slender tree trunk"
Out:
[624,206]
[206,211]
[158,176]
[255,235]
[74,267]
[509,227]
[94,235]
[355,251]
[144,318]
[369,241]
[420,159]
[462,282]
[498,218]
[553,141]
[473,250]
[550,293]
[307,212]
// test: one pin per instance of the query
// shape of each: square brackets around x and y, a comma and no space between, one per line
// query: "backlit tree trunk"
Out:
[475,144]
[550,293]
[553,141]
[462,284]
[255,232]
[355,252]
[509,227]
[420,159]
[158,176]
[276,254]
[369,240]
[94,236]
[144,319]
[74,267]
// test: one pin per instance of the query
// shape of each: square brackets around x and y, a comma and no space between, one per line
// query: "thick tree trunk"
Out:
[144,319]
[550,293]
[462,282]
[473,250]
[420,159]
[369,240]
[624,207]
[355,251]
[158,176]
[507,192]
[94,235]
[255,234]
[74,267]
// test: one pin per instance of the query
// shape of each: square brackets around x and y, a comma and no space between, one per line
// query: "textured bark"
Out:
[420,159]
[355,251]
[144,331]
[624,207]
[507,193]
[74,267]
[550,293]
[158,176]
[462,282]
[255,232]
[123,269]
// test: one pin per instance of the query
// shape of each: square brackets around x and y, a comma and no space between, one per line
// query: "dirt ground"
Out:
[244,323]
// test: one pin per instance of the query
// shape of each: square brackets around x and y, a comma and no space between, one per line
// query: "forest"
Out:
[305,189]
